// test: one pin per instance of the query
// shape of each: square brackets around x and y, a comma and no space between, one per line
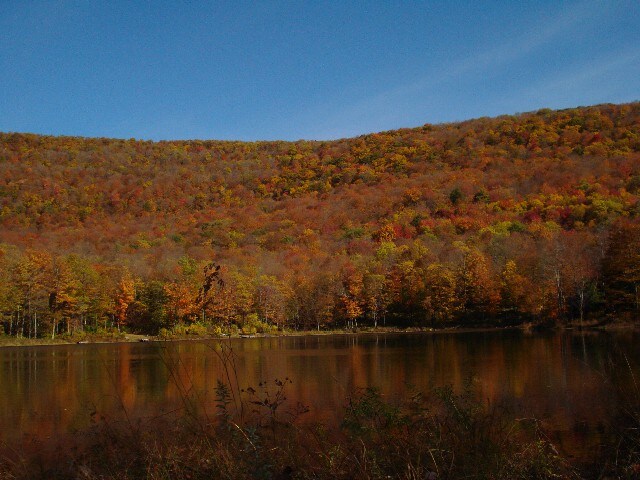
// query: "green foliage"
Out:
[176,237]
[192,329]
[351,232]
[188,265]
[253,325]
[633,185]
[621,270]
[154,302]
[481,196]
[368,413]
[455,196]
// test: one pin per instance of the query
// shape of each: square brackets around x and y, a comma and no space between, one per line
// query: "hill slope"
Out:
[527,217]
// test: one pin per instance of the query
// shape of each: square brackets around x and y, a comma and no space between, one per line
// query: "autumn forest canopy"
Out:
[494,221]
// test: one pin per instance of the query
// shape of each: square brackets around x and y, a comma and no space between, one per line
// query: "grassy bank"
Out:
[200,333]
[195,334]
[103,337]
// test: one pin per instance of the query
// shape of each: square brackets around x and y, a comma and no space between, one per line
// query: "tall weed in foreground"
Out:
[620,456]
[444,435]
[255,433]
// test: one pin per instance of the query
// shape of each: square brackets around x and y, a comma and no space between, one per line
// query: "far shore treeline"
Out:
[495,221]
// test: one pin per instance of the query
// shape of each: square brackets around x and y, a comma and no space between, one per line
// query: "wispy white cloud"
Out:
[389,106]
[586,74]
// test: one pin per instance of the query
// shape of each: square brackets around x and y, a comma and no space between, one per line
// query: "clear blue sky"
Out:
[314,70]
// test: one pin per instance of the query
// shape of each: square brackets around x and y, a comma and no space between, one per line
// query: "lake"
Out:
[574,383]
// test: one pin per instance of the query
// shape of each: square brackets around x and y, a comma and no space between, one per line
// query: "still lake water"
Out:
[572,382]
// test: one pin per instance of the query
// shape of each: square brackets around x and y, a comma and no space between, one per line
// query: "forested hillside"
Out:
[533,217]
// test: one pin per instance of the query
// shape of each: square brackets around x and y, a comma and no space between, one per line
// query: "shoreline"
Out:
[9,342]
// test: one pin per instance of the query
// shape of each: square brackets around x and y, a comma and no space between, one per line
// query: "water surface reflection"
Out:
[569,381]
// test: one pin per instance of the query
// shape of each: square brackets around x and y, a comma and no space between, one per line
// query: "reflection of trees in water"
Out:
[566,380]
